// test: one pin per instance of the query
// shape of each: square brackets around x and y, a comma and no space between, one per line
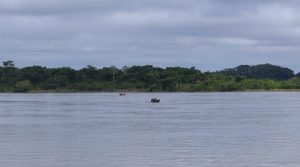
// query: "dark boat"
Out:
[122,94]
[155,100]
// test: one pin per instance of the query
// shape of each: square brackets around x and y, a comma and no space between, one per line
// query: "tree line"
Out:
[145,78]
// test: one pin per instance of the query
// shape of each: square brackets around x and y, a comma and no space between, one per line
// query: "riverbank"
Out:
[140,91]
[146,78]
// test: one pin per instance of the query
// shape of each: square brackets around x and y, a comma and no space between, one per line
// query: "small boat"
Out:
[155,100]
[122,94]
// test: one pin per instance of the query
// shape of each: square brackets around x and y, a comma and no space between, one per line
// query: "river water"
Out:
[184,130]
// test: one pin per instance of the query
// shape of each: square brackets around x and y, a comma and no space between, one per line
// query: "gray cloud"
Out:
[208,34]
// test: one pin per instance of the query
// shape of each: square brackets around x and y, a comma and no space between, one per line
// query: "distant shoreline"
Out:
[147,78]
[237,91]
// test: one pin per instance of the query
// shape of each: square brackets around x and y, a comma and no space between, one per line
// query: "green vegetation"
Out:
[262,71]
[145,78]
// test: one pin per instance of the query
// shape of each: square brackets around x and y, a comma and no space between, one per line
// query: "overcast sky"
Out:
[207,34]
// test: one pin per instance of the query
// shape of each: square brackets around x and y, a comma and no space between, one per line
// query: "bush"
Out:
[23,86]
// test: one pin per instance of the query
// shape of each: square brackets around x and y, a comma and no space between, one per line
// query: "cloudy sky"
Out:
[207,34]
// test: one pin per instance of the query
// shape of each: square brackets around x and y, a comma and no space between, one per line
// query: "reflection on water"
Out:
[184,130]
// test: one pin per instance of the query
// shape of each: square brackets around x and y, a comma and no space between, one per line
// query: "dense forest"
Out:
[145,78]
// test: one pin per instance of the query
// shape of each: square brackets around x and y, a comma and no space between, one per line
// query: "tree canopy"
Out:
[145,78]
[262,71]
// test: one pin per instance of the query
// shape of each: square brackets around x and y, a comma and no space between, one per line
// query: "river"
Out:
[258,129]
